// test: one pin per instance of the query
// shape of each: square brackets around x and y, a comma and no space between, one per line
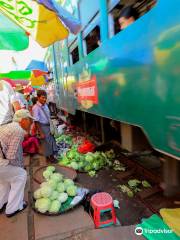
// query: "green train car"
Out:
[130,75]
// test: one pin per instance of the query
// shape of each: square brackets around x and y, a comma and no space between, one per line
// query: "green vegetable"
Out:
[52,184]
[47,174]
[50,169]
[44,184]
[146,184]
[42,204]
[55,206]
[63,197]
[71,190]
[60,187]
[57,177]
[134,183]
[89,157]
[54,195]
[37,194]
[68,182]
[74,165]
[127,190]
[92,173]
[46,191]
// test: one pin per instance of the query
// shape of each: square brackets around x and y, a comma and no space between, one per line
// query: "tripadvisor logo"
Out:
[138,231]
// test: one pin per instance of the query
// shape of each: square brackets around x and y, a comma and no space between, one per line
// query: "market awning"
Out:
[12,37]
[44,25]
[37,65]
[24,74]
[37,81]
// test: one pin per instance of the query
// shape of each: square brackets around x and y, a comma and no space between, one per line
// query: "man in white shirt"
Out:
[20,96]
[12,175]
[8,102]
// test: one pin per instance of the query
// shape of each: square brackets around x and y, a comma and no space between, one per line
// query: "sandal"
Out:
[25,204]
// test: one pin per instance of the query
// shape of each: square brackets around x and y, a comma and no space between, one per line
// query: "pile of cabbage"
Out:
[53,192]
[64,138]
[89,162]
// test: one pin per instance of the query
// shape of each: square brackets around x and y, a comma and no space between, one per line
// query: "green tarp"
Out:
[17,75]
[155,229]
[12,37]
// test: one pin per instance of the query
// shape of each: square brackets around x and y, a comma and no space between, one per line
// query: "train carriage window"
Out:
[135,8]
[91,34]
[74,53]
[92,40]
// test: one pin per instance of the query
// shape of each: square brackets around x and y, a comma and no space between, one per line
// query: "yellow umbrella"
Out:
[41,23]
[37,81]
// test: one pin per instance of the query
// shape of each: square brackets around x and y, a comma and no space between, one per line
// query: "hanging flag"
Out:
[12,37]
[41,23]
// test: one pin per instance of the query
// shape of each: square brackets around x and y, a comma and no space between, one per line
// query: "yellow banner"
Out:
[42,24]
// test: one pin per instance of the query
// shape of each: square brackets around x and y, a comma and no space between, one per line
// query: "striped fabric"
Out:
[11,137]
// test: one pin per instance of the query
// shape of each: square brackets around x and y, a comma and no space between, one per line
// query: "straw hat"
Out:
[18,87]
[20,114]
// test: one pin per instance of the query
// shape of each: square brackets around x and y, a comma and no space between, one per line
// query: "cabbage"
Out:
[46,191]
[89,158]
[74,165]
[54,195]
[55,206]
[68,182]
[44,184]
[71,190]
[50,169]
[60,187]
[63,197]
[81,165]
[146,184]
[37,194]
[88,168]
[95,165]
[56,177]
[42,204]
[52,184]
[47,174]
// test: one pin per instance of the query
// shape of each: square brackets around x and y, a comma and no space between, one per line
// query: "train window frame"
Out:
[93,23]
[71,48]
[112,4]
[93,13]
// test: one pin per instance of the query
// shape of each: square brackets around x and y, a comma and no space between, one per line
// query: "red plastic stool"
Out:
[102,204]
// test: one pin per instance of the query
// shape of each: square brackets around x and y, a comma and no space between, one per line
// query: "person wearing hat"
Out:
[20,96]
[8,102]
[12,174]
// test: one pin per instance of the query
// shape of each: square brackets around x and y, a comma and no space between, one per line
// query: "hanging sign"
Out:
[87,92]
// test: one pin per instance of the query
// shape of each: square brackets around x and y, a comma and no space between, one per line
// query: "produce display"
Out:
[54,193]
[77,153]
[89,162]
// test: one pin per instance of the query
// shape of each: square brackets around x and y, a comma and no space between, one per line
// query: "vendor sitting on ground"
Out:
[12,175]
[41,114]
